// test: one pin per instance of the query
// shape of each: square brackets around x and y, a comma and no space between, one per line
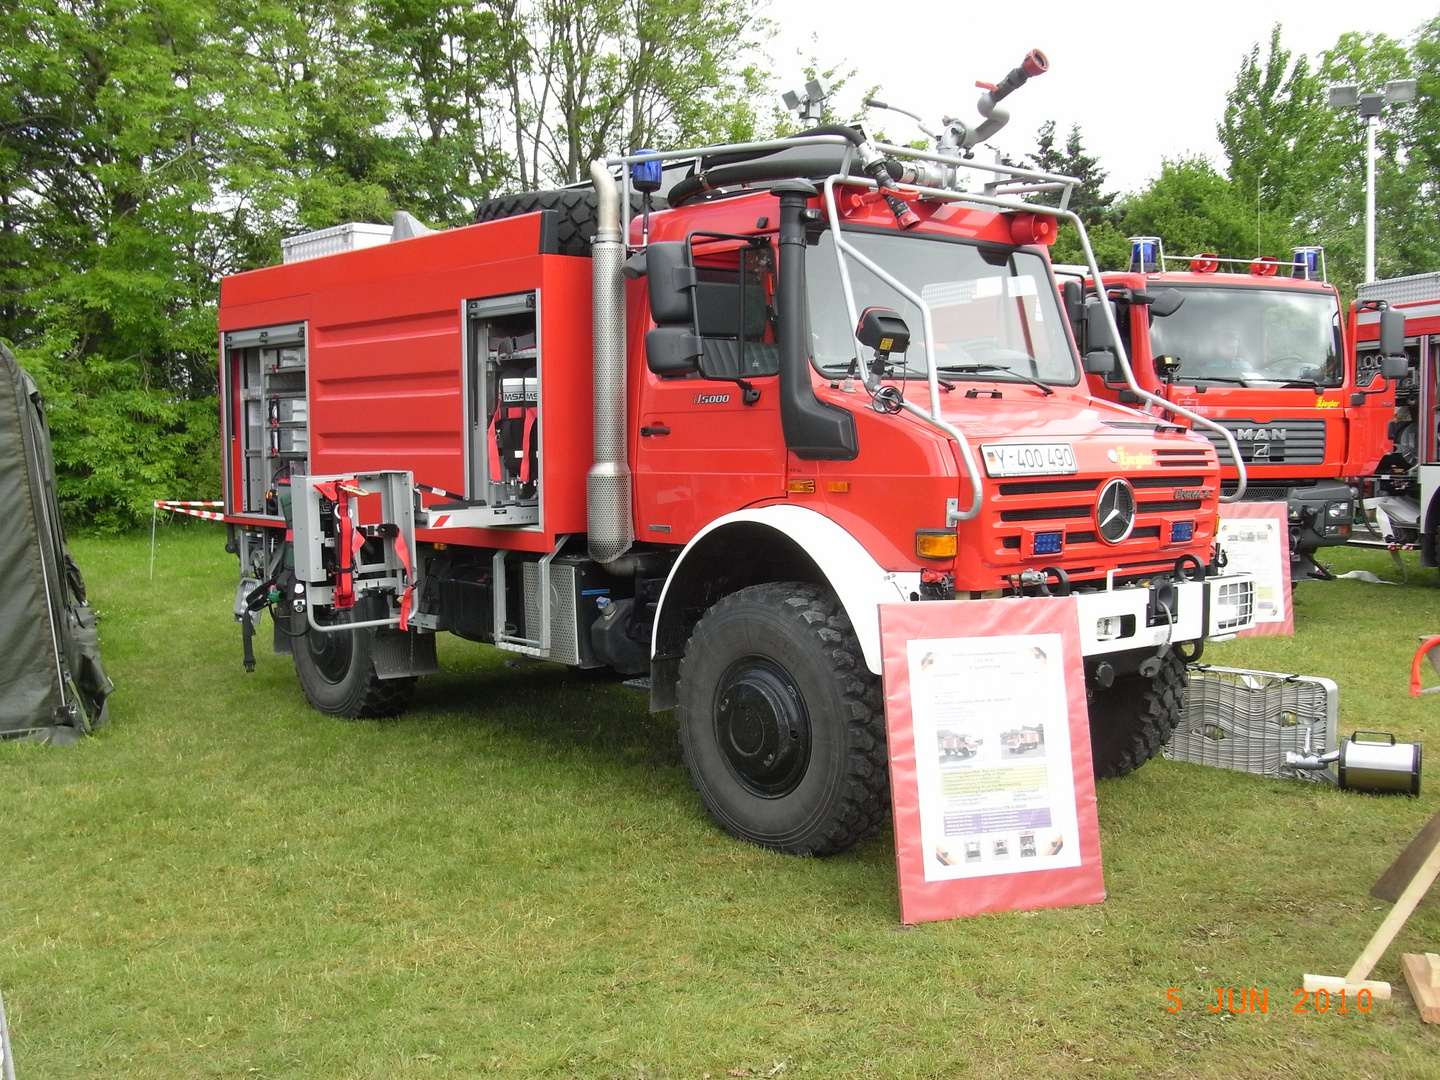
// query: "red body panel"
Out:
[386,355]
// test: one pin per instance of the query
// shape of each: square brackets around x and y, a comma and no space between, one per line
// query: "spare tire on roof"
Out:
[573,211]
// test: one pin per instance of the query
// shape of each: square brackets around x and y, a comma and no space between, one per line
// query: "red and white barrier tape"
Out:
[182,506]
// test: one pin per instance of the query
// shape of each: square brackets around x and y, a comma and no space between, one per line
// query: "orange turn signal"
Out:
[936,543]
[800,487]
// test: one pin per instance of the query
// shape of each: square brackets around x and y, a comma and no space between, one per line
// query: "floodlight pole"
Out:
[1370,105]
[1370,122]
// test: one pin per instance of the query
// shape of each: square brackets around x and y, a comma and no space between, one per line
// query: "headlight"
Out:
[1339,511]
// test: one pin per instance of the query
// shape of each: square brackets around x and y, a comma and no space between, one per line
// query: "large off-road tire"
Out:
[575,209]
[1133,719]
[337,673]
[781,725]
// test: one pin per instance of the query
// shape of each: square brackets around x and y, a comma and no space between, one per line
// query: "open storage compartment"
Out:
[265,370]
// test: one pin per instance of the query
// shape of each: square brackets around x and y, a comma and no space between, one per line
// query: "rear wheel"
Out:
[337,673]
[781,726]
[1131,720]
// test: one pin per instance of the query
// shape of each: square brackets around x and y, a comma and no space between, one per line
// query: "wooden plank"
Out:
[1392,883]
[1418,973]
[1423,878]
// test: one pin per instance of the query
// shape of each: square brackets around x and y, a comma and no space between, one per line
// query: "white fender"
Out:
[858,580]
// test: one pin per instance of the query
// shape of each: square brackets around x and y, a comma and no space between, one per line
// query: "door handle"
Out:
[655,431]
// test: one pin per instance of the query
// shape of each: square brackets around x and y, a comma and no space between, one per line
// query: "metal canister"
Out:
[1378,763]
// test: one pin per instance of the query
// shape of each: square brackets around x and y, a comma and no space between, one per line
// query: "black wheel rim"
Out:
[762,727]
[330,653]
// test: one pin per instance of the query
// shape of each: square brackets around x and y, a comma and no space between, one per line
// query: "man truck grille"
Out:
[1271,442]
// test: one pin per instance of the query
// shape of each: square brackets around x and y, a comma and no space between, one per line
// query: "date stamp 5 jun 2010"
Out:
[1256,1000]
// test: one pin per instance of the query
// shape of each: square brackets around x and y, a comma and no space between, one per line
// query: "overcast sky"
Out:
[1144,81]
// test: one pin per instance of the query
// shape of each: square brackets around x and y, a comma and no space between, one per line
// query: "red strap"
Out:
[495,475]
[1420,654]
[347,539]
[526,443]
[402,552]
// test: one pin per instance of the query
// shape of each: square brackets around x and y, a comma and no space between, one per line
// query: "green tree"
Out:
[1193,209]
[1090,202]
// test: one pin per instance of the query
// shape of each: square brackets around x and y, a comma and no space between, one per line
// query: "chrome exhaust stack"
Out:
[609,524]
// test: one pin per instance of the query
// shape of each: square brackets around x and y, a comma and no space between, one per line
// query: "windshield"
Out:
[1252,335]
[993,308]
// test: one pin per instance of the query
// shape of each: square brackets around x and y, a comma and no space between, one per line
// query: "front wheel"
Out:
[337,673]
[1132,720]
[781,726]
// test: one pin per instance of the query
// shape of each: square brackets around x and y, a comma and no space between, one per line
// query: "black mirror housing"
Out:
[671,279]
[1392,333]
[1166,302]
[883,330]
[672,350]
[1394,367]
[1100,362]
[1097,327]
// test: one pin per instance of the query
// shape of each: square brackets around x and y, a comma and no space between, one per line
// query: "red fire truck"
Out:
[703,449]
[1263,356]
[1394,326]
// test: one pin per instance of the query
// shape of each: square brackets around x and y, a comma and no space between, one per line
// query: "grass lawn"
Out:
[516,880]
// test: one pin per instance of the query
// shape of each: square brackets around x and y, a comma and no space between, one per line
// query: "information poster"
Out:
[1256,540]
[994,800]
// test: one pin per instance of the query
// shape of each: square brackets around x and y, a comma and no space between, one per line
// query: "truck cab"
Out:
[1263,355]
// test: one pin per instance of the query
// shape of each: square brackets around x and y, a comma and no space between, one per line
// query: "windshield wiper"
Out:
[1217,378]
[976,369]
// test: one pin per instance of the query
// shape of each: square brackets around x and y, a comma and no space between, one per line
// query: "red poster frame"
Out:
[1278,512]
[928,901]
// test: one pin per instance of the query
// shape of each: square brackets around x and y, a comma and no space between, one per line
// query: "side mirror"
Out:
[883,330]
[1100,362]
[1166,303]
[671,279]
[1097,329]
[1073,293]
[1394,367]
[1392,339]
[672,350]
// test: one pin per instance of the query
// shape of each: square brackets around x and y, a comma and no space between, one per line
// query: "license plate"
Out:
[1028,459]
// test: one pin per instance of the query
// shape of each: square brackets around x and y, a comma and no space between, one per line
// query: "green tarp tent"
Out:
[52,686]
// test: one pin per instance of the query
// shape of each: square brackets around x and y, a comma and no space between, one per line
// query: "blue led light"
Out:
[1049,543]
[1182,532]
[645,175]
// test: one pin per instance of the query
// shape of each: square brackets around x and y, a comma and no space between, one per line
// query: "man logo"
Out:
[711,399]
[1115,511]
[1260,434]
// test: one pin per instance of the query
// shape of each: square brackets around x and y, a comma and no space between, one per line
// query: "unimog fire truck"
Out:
[700,446]
[1263,355]
[1395,332]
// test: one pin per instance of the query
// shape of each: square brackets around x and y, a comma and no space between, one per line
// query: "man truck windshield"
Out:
[1249,335]
[994,309]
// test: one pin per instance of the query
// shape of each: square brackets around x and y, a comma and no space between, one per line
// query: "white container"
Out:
[332,241]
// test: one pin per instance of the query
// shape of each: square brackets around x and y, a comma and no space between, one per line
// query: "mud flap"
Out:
[399,655]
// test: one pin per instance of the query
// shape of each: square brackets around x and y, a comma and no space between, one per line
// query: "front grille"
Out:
[1138,482]
[1046,487]
[1271,442]
[1182,459]
[1046,513]
[1169,506]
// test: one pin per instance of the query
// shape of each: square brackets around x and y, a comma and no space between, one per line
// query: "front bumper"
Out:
[1140,617]
[1320,515]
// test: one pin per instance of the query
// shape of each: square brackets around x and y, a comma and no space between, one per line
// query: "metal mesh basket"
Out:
[1247,720]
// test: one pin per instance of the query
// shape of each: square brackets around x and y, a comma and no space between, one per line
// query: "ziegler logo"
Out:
[1260,434]
[1190,494]
[711,399]
[1126,460]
